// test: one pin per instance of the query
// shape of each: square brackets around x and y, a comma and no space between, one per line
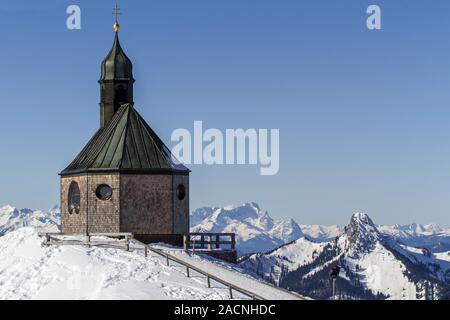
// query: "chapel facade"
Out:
[125,179]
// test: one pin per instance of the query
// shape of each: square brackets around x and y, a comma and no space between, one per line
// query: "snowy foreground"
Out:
[29,270]
[235,275]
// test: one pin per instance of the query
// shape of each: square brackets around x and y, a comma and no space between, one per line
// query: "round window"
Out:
[181,192]
[104,192]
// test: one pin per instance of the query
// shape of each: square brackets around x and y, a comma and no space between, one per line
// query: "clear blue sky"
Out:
[364,116]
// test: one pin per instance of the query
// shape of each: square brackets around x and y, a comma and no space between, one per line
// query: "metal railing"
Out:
[189,267]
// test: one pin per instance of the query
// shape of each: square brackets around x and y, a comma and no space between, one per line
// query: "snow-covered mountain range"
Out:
[12,218]
[377,261]
[374,265]
[256,231]
[429,236]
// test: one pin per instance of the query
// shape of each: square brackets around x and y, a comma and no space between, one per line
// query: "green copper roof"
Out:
[116,65]
[126,144]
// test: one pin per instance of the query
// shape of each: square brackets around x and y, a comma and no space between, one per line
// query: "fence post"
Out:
[187,272]
[208,279]
[47,238]
[88,240]
[185,242]
[233,241]
[146,251]
[202,241]
[210,236]
[231,293]
[167,260]
[127,239]
[217,241]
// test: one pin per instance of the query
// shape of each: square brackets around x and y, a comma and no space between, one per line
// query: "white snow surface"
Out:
[233,274]
[382,272]
[29,270]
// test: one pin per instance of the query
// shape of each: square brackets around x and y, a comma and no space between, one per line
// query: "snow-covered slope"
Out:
[373,266]
[255,230]
[29,270]
[289,257]
[233,274]
[12,218]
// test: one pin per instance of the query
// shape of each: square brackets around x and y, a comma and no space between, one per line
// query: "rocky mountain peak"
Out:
[361,232]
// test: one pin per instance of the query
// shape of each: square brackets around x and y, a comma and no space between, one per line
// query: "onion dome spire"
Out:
[116,81]
[117,66]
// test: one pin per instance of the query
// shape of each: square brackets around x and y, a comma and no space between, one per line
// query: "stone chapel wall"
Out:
[73,222]
[181,207]
[146,206]
[103,215]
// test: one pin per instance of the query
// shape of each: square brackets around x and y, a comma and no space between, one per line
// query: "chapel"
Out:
[125,179]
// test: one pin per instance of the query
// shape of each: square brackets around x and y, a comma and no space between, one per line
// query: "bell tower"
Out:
[116,82]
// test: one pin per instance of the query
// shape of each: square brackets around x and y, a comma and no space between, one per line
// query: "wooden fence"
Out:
[209,241]
[124,238]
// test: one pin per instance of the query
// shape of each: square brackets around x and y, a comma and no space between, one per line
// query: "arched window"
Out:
[74,198]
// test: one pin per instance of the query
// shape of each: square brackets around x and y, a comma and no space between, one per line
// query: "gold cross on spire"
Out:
[116,12]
